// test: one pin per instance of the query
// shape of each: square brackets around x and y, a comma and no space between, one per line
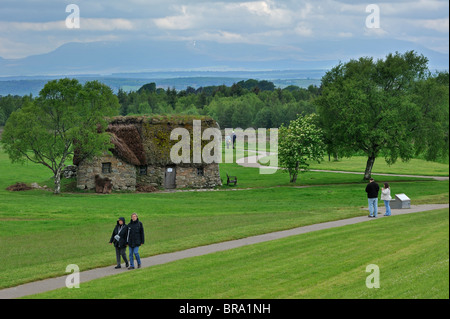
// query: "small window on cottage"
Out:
[200,171]
[106,168]
[142,170]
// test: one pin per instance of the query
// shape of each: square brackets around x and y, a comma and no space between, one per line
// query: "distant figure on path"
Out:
[228,141]
[386,197]
[119,239]
[372,190]
[135,239]
[234,139]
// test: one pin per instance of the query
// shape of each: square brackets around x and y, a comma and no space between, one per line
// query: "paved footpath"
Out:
[55,283]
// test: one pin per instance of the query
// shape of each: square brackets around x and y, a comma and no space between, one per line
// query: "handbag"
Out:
[117,237]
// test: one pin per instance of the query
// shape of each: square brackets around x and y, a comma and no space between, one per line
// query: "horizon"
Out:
[112,37]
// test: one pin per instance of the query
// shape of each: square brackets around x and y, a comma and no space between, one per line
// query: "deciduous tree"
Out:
[382,107]
[45,130]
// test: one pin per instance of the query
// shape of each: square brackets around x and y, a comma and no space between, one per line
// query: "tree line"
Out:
[250,103]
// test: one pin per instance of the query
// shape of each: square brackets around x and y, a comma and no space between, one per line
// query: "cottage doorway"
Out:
[170,177]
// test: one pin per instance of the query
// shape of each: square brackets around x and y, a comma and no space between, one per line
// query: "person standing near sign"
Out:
[386,197]
[372,190]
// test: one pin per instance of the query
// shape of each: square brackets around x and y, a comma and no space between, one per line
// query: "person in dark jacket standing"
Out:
[135,239]
[372,190]
[119,238]
[233,136]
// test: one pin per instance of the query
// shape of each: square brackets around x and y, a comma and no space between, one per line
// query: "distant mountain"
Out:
[120,57]
[109,57]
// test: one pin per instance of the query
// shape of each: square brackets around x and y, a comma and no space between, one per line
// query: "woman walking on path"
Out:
[386,197]
[119,238]
[135,239]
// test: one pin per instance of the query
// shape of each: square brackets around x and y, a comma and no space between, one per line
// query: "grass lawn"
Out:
[412,252]
[251,178]
[41,233]
[358,164]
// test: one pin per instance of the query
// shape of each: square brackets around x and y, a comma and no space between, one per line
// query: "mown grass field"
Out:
[41,233]
[411,251]
[358,164]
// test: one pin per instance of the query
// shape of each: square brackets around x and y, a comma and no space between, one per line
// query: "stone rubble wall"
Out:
[125,176]
[155,176]
[187,177]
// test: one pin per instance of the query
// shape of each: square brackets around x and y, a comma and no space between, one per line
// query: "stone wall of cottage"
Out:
[123,175]
[187,177]
[154,176]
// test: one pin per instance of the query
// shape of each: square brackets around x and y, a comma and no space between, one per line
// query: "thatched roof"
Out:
[145,140]
[126,151]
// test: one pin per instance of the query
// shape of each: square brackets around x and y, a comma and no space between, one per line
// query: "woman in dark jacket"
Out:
[135,239]
[119,238]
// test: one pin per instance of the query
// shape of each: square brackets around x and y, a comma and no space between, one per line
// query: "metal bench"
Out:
[231,180]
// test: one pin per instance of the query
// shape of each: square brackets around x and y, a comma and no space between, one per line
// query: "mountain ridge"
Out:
[108,58]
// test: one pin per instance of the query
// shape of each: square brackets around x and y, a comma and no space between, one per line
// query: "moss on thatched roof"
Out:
[145,140]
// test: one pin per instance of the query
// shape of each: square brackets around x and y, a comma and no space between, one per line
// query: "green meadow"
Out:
[358,164]
[42,233]
[411,251]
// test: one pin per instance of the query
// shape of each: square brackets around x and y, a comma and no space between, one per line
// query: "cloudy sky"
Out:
[30,27]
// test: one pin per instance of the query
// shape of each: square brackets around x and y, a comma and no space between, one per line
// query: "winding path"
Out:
[85,276]
[252,161]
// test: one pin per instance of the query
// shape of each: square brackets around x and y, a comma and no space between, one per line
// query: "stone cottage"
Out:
[141,156]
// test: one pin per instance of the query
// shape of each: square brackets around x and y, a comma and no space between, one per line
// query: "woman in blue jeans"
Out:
[386,197]
[135,239]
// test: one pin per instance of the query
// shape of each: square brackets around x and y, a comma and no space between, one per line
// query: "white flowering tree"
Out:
[299,143]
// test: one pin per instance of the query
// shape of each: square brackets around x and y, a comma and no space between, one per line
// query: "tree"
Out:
[242,115]
[9,104]
[431,137]
[299,143]
[171,97]
[123,101]
[144,108]
[66,116]
[377,107]
[264,118]
[266,86]
[2,117]
[150,87]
